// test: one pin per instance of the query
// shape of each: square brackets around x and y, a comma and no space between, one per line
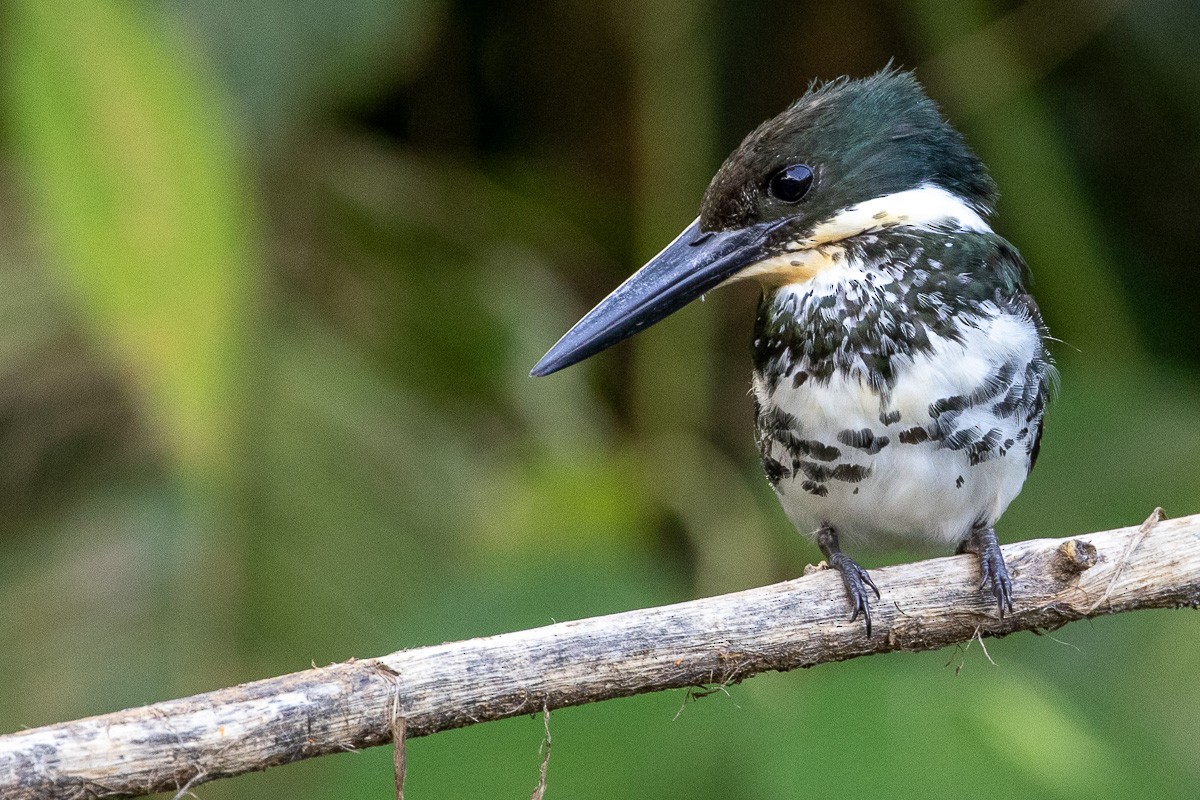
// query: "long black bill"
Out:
[689,266]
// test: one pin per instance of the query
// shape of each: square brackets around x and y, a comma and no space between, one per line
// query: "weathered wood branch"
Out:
[717,640]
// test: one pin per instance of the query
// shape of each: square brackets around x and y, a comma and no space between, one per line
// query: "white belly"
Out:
[911,489]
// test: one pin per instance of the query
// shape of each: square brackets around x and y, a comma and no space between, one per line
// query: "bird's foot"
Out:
[856,580]
[854,577]
[992,568]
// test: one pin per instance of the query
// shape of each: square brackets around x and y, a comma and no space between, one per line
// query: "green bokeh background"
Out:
[272,275]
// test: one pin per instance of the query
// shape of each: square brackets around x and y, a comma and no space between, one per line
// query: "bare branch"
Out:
[176,745]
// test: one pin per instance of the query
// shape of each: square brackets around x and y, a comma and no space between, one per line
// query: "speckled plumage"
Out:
[900,369]
[900,398]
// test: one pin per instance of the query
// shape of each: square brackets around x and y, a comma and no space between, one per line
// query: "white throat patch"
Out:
[923,208]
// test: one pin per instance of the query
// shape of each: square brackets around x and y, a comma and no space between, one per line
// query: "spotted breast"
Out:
[900,398]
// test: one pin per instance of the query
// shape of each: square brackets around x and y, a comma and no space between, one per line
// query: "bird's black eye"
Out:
[790,184]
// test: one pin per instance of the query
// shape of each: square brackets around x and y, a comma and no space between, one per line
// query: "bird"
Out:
[901,368]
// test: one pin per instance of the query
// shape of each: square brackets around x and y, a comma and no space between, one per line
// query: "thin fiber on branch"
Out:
[717,640]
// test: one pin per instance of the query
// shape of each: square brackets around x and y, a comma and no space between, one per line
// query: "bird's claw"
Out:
[992,570]
[856,581]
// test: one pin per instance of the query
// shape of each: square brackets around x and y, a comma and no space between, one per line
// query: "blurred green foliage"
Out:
[271,279]
[129,158]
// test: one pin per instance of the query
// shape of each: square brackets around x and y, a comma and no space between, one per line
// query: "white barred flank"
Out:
[896,476]
[916,491]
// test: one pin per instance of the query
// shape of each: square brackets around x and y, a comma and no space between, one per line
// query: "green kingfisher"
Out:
[900,364]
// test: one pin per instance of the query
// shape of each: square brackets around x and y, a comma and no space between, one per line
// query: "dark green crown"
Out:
[863,138]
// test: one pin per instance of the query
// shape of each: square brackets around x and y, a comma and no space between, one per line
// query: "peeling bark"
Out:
[716,640]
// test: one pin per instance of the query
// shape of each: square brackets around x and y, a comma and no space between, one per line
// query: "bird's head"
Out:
[851,157]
